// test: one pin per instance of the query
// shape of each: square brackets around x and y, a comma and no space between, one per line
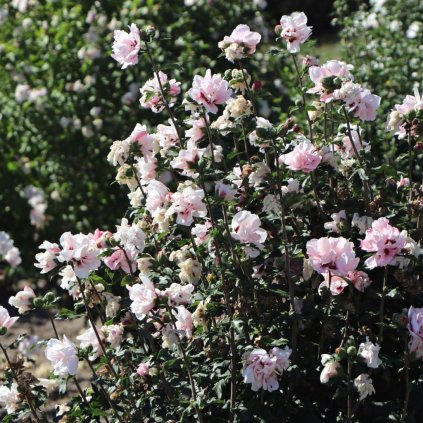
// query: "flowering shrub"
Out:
[56,63]
[264,271]
[383,29]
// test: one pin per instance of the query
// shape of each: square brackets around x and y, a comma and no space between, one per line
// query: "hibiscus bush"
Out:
[383,40]
[63,100]
[265,270]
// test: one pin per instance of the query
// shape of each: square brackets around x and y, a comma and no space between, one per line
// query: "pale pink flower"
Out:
[347,149]
[240,44]
[224,191]
[295,30]
[361,222]
[330,369]
[261,369]
[187,204]
[260,174]
[293,186]
[48,259]
[403,182]
[167,136]
[63,356]
[130,236]
[197,130]
[201,232]
[69,281]
[151,96]
[146,168]
[13,257]
[411,102]
[121,259]
[186,157]
[184,320]
[126,46]
[114,334]
[143,370]
[367,106]
[320,75]
[384,240]
[100,238]
[335,255]
[370,354]
[145,141]
[157,195]
[349,92]
[282,358]
[29,346]
[5,320]
[246,228]
[10,398]
[170,336]
[210,91]
[143,297]
[415,327]
[80,251]
[337,218]
[360,280]
[119,152]
[364,386]
[304,157]
[23,300]
[8,250]
[335,284]
[178,294]
[88,338]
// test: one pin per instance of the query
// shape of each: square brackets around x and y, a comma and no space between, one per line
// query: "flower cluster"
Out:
[239,227]
[334,82]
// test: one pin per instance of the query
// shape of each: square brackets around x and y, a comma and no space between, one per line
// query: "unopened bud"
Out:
[352,350]
[265,133]
[257,85]
[149,31]
[38,302]
[49,297]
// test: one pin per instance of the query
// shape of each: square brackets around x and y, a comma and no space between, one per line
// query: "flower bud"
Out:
[211,278]
[400,319]
[38,302]
[265,133]
[278,30]
[153,372]
[329,83]
[49,297]
[418,146]
[149,32]
[340,352]
[352,350]
[257,85]
[3,330]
